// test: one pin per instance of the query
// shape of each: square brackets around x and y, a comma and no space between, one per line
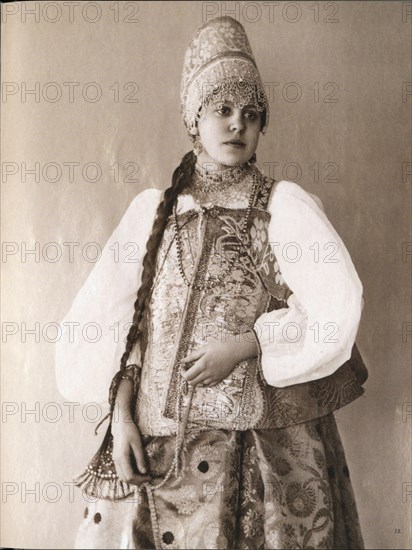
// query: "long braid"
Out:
[180,179]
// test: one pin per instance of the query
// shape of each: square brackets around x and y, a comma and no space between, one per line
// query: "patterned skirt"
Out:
[257,489]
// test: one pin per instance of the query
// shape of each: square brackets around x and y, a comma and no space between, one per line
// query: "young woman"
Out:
[241,345]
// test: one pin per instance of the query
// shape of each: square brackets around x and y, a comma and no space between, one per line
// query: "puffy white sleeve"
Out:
[314,336]
[94,330]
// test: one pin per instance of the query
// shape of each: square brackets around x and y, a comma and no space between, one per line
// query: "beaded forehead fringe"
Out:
[219,66]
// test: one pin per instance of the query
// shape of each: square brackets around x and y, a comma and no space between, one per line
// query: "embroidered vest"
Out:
[178,319]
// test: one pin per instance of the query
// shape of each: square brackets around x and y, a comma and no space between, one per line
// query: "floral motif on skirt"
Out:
[275,488]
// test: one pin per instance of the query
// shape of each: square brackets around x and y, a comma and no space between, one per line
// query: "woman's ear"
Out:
[263,121]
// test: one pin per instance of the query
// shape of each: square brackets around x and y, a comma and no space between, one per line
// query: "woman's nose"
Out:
[237,123]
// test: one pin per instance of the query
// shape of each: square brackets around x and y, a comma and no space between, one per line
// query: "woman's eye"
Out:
[252,115]
[222,110]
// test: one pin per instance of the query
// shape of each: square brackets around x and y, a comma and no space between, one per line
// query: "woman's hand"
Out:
[127,443]
[215,360]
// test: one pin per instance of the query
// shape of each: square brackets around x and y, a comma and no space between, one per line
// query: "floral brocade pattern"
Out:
[286,488]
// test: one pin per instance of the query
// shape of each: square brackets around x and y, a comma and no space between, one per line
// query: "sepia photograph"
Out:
[206,275]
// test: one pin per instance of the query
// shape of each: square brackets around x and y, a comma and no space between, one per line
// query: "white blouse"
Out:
[308,340]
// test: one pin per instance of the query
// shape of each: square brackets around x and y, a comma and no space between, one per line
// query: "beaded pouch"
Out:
[100,479]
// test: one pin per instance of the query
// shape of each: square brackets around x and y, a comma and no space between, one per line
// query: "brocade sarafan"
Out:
[284,486]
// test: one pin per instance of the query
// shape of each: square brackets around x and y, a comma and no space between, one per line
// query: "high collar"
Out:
[207,175]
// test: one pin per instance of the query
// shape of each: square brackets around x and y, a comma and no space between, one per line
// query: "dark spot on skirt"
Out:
[331,472]
[86,512]
[345,471]
[317,427]
[168,537]
[203,466]
[97,518]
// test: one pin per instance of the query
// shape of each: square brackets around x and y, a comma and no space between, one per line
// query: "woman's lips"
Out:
[235,144]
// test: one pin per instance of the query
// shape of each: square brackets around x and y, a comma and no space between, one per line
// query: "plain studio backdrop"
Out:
[77,148]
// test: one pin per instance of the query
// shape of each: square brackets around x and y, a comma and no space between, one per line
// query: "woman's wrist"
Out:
[123,412]
[248,346]
[124,397]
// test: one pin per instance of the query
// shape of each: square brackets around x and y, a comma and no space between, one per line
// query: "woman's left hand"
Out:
[214,361]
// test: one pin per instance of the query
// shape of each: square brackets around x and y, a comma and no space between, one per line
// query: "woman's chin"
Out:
[233,159]
[227,159]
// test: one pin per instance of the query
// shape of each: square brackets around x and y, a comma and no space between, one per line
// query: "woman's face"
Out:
[220,125]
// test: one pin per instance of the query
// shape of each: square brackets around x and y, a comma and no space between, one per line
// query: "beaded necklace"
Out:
[208,186]
[215,179]
[214,281]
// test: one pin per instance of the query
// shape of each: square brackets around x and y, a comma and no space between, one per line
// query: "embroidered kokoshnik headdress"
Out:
[219,65]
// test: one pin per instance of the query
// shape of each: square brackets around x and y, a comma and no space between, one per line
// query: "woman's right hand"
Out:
[127,442]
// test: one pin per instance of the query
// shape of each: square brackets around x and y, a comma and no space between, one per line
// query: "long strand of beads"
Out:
[176,463]
[214,281]
[153,517]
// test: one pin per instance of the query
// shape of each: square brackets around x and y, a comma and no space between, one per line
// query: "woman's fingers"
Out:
[195,354]
[122,469]
[199,373]
[139,457]
[194,371]
[128,454]
[119,470]
[198,379]
[125,471]
[139,478]
[211,382]
[136,479]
